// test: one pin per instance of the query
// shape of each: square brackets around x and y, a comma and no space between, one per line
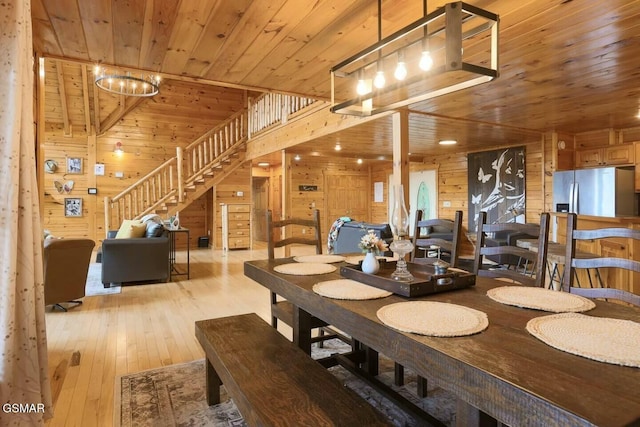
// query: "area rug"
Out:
[94,284]
[175,396]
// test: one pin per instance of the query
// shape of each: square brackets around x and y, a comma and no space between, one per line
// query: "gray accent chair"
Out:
[139,259]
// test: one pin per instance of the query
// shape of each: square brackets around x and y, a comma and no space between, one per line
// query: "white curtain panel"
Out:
[24,378]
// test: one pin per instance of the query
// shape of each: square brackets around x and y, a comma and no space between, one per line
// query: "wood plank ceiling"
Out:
[566,65]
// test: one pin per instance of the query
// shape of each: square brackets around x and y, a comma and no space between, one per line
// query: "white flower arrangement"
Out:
[371,243]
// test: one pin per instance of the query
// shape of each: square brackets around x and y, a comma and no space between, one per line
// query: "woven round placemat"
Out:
[603,339]
[320,258]
[540,299]
[436,319]
[348,289]
[304,268]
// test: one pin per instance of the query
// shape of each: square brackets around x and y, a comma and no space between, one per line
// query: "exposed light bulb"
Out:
[426,61]
[297,157]
[401,71]
[362,89]
[379,81]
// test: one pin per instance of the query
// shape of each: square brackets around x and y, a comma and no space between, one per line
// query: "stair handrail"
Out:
[155,188]
[211,148]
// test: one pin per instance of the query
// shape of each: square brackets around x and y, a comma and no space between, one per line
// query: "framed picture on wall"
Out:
[496,183]
[73,206]
[74,164]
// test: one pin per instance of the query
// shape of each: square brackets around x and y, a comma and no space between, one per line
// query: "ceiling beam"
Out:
[85,101]
[96,110]
[63,99]
[127,103]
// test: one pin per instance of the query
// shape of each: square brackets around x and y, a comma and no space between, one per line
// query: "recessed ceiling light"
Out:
[297,157]
[337,147]
[359,161]
[448,142]
[263,164]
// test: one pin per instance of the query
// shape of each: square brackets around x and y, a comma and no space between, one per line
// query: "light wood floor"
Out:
[144,327]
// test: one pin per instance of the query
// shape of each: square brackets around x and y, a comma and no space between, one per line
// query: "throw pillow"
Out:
[131,228]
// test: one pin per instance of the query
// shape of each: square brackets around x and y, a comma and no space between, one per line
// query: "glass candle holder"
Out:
[401,244]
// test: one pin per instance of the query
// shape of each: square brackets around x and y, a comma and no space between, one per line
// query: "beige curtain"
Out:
[24,382]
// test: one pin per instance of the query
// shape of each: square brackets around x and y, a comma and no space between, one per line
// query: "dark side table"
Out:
[173,271]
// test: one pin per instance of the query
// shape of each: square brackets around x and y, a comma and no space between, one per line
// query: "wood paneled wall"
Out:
[57,148]
[149,133]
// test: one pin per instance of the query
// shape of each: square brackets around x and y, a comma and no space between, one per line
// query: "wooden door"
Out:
[260,206]
[346,195]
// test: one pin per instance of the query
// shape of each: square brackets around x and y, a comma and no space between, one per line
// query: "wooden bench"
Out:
[272,381]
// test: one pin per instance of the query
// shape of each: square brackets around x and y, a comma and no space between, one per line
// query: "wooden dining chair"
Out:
[530,270]
[439,238]
[574,262]
[281,309]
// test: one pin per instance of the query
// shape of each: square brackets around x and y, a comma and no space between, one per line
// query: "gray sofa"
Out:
[350,233]
[135,259]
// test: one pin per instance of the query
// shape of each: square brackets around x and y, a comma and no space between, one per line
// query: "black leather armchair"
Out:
[135,259]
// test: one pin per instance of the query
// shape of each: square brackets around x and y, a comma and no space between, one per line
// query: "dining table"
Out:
[502,372]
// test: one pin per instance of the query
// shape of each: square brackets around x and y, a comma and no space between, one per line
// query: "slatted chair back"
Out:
[424,241]
[574,235]
[533,273]
[282,309]
[275,230]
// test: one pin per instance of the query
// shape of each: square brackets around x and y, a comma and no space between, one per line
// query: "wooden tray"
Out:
[426,281]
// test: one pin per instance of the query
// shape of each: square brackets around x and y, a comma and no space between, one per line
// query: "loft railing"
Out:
[167,183]
[271,109]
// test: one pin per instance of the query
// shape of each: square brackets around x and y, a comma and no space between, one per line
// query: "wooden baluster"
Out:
[107,216]
[179,173]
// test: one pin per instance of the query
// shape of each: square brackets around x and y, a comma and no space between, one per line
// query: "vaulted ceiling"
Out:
[565,65]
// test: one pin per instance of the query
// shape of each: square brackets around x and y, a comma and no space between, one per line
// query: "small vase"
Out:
[370,263]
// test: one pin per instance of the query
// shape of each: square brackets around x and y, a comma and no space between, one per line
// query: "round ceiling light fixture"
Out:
[126,82]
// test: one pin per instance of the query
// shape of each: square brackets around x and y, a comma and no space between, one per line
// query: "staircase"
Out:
[182,179]
[179,181]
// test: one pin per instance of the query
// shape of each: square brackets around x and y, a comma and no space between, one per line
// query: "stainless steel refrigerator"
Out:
[600,192]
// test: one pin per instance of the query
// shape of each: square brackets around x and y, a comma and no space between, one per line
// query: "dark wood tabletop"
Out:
[503,371]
